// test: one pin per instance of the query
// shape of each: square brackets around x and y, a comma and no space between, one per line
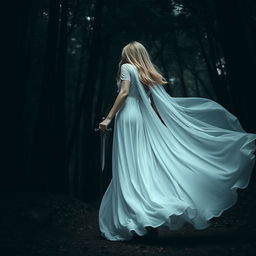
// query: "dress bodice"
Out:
[125,75]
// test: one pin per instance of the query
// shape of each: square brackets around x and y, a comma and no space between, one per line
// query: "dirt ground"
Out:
[54,225]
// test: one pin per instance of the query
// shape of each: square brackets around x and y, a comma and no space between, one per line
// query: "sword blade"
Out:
[103,149]
[103,142]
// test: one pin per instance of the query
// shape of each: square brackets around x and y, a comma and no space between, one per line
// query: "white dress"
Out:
[165,176]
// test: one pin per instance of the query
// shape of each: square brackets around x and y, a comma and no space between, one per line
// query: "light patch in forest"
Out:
[45,14]
[172,81]
[178,8]
[221,66]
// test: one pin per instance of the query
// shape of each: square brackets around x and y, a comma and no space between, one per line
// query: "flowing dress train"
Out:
[164,175]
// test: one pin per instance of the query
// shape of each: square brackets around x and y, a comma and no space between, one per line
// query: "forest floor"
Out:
[55,225]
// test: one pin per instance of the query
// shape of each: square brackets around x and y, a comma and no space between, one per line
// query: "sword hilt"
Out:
[98,129]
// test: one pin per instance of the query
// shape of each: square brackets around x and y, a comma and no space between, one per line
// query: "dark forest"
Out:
[61,64]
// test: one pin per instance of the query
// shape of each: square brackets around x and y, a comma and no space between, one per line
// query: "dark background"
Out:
[60,60]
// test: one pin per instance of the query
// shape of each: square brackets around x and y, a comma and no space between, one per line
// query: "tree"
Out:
[239,49]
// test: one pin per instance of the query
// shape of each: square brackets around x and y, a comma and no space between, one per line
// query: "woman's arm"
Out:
[124,91]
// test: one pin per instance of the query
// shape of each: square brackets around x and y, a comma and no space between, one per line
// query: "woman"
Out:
[175,160]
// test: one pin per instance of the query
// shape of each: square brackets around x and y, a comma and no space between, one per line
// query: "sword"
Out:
[103,138]
[103,143]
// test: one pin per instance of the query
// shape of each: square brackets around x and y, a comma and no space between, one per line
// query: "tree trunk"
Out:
[73,152]
[60,176]
[43,159]
[220,85]
[239,55]
[90,152]
[199,79]
[180,65]
[14,76]
[166,73]
[197,88]
[85,110]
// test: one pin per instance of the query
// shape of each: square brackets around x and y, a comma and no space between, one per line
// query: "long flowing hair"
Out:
[136,54]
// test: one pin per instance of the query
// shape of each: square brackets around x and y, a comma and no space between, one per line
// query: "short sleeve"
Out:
[124,74]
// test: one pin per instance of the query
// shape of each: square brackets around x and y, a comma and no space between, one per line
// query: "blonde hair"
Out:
[136,54]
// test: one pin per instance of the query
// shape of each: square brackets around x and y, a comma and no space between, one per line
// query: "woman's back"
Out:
[126,70]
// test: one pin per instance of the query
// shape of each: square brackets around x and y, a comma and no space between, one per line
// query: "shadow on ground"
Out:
[45,225]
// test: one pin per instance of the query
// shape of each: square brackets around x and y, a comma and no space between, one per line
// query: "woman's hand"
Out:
[104,124]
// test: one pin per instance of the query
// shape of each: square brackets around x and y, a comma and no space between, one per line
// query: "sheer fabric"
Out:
[164,175]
